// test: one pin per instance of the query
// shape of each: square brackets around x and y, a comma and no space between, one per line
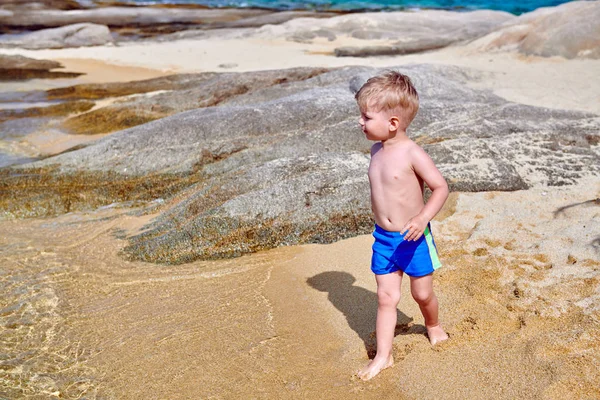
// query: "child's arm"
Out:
[425,168]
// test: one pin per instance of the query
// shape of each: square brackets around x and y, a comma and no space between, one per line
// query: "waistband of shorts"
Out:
[382,231]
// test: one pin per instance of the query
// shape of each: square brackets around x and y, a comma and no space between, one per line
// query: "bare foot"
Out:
[375,366]
[436,334]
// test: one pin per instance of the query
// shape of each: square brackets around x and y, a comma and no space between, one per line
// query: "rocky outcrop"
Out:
[203,90]
[319,198]
[570,30]
[286,163]
[77,35]
[414,46]
[16,62]
[21,5]
[53,110]
[129,16]
[166,22]
[93,91]
[14,67]
[399,32]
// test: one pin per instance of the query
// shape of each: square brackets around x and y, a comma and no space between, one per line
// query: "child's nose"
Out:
[361,121]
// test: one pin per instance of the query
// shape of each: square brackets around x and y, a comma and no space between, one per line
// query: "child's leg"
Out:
[388,296]
[422,291]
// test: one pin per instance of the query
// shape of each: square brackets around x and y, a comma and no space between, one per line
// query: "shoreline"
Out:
[312,7]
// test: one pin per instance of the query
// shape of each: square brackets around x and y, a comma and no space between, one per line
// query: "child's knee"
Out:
[388,297]
[422,296]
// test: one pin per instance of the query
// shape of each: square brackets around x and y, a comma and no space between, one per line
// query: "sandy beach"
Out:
[299,321]
[519,288]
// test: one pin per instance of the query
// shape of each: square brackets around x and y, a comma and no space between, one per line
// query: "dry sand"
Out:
[519,290]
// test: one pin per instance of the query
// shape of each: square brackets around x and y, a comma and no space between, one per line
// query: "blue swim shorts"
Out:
[392,253]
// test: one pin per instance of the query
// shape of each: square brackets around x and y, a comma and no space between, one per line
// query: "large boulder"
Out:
[287,163]
[77,35]
[179,93]
[318,198]
[570,30]
[397,32]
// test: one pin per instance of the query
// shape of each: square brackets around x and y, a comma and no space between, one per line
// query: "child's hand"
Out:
[414,228]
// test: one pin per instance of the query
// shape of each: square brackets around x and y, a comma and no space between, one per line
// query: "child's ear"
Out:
[394,123]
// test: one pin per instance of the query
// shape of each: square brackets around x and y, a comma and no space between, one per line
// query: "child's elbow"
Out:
[443,189]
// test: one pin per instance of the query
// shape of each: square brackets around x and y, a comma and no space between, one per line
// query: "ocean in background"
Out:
[512,6]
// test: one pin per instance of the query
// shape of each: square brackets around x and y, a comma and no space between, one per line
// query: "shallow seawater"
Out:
[17,128]
[22,106]
[512,6]
[7,159]
[36,361]
[41,355]
[76,320]
[18,97]
[11,133]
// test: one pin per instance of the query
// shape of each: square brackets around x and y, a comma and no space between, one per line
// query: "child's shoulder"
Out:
[410,147]
[419,159]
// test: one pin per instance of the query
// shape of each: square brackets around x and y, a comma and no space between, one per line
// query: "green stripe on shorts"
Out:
[435,260]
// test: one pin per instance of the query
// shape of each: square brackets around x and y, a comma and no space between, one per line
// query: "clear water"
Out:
[512,6]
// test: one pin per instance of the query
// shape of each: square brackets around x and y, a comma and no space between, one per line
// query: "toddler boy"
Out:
[403,241]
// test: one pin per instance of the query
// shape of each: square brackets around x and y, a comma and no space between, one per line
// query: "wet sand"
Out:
[518,293]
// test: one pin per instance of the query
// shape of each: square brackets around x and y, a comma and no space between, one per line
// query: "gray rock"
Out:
[414,46]
[570,30]
[406,31]
[182,93]
[77,35]
[287,163]
[14,68]
[17,62]
[301,118]
[274,19]
[18,6]
[225,87]
[319,198]
[128,16]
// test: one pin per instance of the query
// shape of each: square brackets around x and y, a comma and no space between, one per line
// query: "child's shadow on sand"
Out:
[359,305]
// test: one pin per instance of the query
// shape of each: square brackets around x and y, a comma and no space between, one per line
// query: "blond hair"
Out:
[389,91]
